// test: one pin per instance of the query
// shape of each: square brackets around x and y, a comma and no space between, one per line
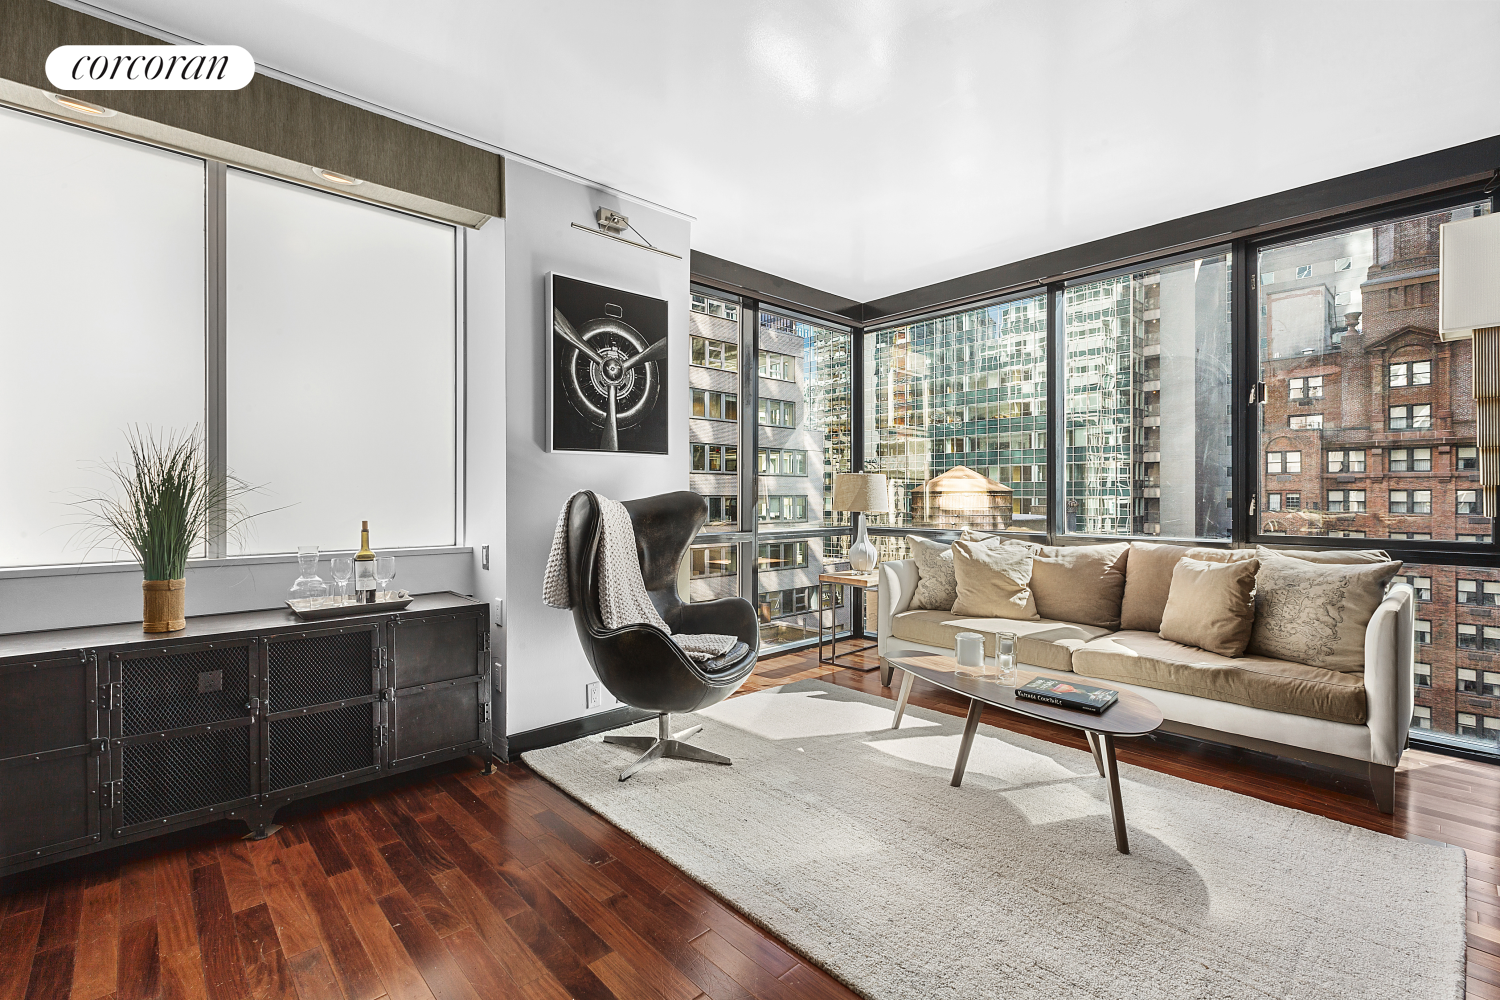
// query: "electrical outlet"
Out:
[594,694]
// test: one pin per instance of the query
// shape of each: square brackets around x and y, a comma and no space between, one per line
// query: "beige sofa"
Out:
[1357,722]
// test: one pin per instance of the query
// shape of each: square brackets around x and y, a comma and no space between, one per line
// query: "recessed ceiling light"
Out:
[331,177]
[81,107]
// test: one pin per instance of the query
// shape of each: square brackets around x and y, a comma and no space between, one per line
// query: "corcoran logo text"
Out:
[149,67]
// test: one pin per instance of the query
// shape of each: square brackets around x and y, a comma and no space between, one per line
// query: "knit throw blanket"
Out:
[622,590]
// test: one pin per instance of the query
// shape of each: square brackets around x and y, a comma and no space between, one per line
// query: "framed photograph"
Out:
[607,368]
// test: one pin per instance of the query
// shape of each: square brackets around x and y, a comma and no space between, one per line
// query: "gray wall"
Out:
[545,669]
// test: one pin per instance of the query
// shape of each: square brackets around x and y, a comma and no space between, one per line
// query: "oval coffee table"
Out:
[1132,715]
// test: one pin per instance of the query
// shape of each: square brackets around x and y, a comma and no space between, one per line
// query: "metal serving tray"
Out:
[349,609]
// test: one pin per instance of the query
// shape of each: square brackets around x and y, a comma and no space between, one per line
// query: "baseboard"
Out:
[566,732]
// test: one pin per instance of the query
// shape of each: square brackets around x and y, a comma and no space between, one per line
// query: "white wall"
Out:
[546,672]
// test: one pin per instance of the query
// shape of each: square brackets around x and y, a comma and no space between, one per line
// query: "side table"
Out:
[828,584]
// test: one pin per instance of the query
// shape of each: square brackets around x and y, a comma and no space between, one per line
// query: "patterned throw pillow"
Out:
[937,588]
[1316,613]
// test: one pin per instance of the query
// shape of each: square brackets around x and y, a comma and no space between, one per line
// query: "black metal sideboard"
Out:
[108,735]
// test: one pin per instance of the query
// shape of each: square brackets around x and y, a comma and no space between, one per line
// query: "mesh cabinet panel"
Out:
[320,745]
[161,692]
[319,669]
[176,776]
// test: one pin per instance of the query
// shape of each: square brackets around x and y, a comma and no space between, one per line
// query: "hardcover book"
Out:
[1068,694]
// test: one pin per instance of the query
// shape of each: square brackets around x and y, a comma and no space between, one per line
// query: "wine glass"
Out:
[343,569]
[385,571]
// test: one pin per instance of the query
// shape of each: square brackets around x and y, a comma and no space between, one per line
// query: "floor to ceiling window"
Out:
[1368,431]
[714,414]
[1147,401]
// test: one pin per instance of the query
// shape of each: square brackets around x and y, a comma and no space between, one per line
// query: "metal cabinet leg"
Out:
[906,679]
[971,726]
[1116,807]
[1094,746]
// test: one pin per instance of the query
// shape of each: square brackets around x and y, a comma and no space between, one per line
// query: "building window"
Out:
[1422,585]
[1346,461]
[1411,373]
[1468,501]
[713,405]
[1309,422]
[1421,717]
[778,366]
[1468,723]
[1411,460]
[1422,674]
[716,458]
[715,560]
[778,413]
[1468,460]
[710,306]
[1468,680]
[1293,501]
[1491,685]
[1310,387]
[795,600]
[723,510]
[781,462]
[1412,536]
[782,555]
[715,354]
[1476,539]
[1422,632]
[783,508]
[1415,417]
[1346,534]
[1411,502]
[1273,501]
[1346,501]
[1478,726]
[1485,637]
[1479,593]
[1282,462]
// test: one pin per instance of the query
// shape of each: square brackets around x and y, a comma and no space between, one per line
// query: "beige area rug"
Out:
[845,839]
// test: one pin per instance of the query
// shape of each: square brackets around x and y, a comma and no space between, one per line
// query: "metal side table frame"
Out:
[828,584]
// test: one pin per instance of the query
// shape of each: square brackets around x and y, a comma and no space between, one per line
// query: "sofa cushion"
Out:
[1148,579]
[1080,583]
[1039,643]
[1256,681]
[1316,613]
[994,579]
[936,588]
[1210,605]
[1344,557]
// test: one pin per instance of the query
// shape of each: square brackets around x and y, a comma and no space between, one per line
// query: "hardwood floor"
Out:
[448,883]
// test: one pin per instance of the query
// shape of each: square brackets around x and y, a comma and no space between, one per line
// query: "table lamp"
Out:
[861,493]
[1469,306]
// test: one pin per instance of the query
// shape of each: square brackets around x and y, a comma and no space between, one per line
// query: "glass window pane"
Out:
[956,415]
[348,311]
[1148,402]
[97,336]
[1452,631]
[1367,333]
[714,322]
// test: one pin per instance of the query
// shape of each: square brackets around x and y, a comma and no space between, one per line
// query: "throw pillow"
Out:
[1210,606]
[1346,557]
[994,579]
[1316,613]
[1148,579]
[936,588]
[1081,584]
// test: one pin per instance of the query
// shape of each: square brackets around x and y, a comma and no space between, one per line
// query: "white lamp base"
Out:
[862,555]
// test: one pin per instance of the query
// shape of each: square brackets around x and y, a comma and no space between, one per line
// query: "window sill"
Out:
[284,558]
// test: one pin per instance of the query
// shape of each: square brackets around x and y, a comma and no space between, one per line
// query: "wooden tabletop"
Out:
[1132,715]
[866,580]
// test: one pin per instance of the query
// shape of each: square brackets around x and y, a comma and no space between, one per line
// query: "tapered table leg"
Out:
[906,678]
[1116,807]
[1094,746]
[971,726]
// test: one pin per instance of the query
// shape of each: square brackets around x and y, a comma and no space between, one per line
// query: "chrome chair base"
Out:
[665,744]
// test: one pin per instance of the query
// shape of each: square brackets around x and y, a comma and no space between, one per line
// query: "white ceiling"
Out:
[866,147]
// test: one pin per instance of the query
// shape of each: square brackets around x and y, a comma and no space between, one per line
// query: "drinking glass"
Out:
[343,569]
[307,571]
[1005,658]
[385,571]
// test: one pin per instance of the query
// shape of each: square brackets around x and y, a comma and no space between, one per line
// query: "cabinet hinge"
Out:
[112,793]
[109,695]
[382,658]
[379,736]
[484,712]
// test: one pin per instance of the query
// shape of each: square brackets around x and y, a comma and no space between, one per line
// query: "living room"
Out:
[1000,501]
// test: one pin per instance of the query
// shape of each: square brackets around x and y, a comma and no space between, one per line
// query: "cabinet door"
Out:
[321,700]
[182,739]
[49,757]
[438,698]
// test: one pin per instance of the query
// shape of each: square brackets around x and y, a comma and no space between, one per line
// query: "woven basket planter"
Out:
[164,603]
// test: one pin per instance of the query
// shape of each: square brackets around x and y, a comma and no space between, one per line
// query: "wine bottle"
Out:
[364,567]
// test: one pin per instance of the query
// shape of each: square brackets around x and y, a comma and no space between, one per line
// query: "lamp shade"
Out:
[1468,276]
[866,492]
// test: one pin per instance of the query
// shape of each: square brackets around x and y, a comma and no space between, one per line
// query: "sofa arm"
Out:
[1388,677]
[898,585]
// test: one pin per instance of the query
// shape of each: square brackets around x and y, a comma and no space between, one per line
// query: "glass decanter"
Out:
[308,585]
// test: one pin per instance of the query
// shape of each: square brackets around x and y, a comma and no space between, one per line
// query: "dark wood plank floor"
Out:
[451,884]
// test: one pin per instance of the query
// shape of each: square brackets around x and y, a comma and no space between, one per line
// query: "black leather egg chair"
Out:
[640,664]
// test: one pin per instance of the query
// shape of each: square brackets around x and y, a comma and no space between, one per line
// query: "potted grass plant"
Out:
[165,502]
